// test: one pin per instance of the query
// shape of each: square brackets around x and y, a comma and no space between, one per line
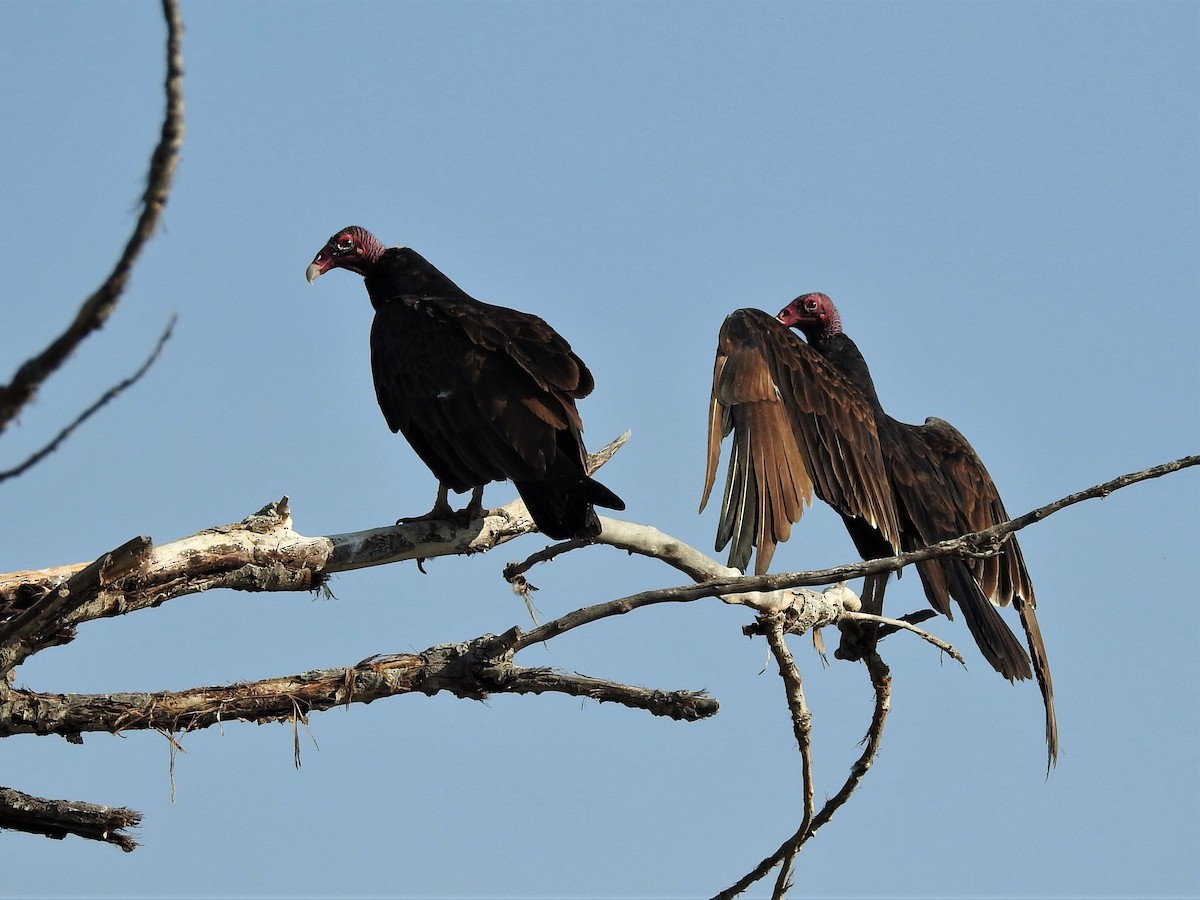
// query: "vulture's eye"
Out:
[345,245]
[810,305]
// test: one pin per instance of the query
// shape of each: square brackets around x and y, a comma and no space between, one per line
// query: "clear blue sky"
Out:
[1002,198]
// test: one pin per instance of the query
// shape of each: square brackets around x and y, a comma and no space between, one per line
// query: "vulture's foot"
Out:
[441,510]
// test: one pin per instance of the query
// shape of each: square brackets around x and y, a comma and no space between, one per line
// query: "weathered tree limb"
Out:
[645,540]
[99,306]
[263,553]
[469,670]
[34,627]
[58,818]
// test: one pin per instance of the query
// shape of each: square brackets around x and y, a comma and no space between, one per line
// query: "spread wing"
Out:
[799,427]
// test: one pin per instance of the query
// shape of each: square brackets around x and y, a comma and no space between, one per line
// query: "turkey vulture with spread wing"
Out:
[482,393]
[799,426]
[933,483]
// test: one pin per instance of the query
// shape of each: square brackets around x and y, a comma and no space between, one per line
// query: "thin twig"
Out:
[514,572]
[901,625]
[967,545]
[111,394]
[882,684]
[96,309]
[802,728]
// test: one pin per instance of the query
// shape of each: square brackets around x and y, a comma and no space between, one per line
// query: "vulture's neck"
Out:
[403,272]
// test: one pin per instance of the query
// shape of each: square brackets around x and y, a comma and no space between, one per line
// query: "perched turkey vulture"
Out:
[935,487]
[482,393]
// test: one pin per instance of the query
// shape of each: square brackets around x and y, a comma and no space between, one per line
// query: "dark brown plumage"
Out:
[792,416]
[935,487]
[482,393]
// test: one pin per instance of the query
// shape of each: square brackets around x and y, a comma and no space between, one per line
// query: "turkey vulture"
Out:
[482,393]
[934,485]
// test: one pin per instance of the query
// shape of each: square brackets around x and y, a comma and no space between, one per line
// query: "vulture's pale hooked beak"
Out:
[313,271]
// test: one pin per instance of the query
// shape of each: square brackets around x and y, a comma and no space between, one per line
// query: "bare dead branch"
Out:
[263,553]
[801,727]
[58,818]
[468,670]
[34,627]
[514,572]
[99,306]
[772,593]
[902,625]
[984,542]
[684,706]
[604,454]
[111,394]
[881,681]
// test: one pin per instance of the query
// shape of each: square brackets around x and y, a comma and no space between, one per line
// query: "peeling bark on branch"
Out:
[263,553]
[27,631]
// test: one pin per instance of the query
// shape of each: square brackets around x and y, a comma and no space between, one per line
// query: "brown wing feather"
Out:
[927,501]
[1003,578]
[798,427]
